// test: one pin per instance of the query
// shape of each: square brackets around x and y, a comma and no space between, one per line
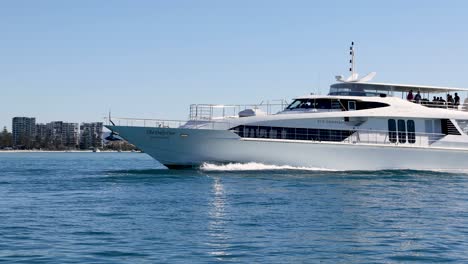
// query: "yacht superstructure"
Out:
[359,125]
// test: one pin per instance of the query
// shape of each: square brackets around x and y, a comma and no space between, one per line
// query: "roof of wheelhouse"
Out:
[388,87]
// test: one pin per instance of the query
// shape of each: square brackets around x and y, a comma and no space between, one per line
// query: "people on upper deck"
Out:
[417,97]
[438,100]
[457,99]
[450,99]
[410,96]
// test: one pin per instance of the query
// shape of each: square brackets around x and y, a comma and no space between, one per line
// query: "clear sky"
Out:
[74,60]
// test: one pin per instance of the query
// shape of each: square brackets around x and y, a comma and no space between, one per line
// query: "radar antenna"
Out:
[351,61]
[354,77]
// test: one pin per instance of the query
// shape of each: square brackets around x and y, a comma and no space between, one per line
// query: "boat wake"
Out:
[254,166]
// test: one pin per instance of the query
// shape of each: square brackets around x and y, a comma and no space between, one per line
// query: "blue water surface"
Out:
[125,208]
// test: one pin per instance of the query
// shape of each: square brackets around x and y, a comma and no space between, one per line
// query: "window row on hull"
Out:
[312,134]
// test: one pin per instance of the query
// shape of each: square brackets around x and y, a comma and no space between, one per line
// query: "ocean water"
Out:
[125,208]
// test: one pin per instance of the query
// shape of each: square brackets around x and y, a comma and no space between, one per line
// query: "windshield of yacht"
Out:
[296,104]
[312,104]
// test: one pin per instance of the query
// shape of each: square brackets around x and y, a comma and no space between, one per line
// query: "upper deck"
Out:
[387,89]
[429,96]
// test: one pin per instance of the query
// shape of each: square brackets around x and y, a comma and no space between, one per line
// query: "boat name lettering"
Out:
[159,132]
[330,121]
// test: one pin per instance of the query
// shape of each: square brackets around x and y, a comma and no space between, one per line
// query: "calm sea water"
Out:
[124,208]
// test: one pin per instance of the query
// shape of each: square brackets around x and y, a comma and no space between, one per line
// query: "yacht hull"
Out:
[182,148]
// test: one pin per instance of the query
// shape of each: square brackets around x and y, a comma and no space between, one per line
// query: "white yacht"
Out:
[359,125]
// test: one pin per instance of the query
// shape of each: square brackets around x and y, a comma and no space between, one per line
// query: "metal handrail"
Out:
[166,123]
[145,122]
[442,105]
[147,119]
[213,111]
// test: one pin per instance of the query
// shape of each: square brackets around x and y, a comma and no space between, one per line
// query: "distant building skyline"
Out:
[61,133]
[56,134]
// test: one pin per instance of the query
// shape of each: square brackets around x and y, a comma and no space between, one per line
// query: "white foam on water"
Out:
[462,171]
[254,166]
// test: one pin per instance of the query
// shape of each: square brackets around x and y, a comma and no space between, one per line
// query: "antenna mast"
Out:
[351,61]
[352,68]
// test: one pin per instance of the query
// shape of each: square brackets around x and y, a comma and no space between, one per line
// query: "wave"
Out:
[254,166]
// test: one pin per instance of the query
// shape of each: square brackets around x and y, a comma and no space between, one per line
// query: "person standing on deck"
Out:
[417,97]
[410,96]
[457,99]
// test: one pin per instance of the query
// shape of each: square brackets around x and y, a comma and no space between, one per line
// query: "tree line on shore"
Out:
[6,139]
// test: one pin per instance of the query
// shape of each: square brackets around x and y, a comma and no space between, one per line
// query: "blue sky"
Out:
[74,60]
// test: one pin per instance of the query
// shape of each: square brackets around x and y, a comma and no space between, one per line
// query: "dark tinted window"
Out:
[392,131]
[301,133]
[301,104]
[401,131]
[411,131]
[336,104]
[312,134]
[323,104]
[294,104]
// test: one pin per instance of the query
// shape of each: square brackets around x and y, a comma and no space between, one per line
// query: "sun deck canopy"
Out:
[377,89]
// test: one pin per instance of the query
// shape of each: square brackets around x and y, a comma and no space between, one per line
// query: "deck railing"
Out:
[165,123]
[144,122]
[442,105]
[216,111]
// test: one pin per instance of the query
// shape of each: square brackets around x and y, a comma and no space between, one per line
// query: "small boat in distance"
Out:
[359,125]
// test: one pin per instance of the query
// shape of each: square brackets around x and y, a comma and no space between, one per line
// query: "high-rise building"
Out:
[57,134]
[54,132]
[41,134]
[24,129]
[91,135]
[70,134]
